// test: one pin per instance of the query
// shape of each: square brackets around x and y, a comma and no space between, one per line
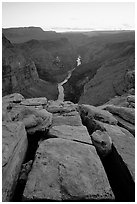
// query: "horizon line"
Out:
[72,29]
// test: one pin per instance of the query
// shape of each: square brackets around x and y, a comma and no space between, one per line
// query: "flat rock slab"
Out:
[76,133]
[65,170]
[97,113]
[72,120]
[61,107]
[34,101]
[124,143]
[127,114]
[14,147]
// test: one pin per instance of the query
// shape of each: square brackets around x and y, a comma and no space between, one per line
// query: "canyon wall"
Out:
[107,70]
[19,74]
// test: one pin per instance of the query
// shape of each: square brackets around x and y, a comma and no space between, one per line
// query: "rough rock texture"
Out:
[76,133]
[61,107]
[124,143]
[67,170]
[34,101]
[14,147]
[97,114]
[72,119]
[111,79]
[127,114]
[103,142]
[123,123]
[33,119]
[125,101]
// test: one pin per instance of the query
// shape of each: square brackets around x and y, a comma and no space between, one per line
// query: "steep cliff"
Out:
[19,74]
[53,58]
[107,61]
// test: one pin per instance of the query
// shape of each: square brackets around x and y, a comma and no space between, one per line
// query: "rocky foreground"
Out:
[60,151]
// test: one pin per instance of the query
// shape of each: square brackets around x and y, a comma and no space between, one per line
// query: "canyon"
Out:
[68,116]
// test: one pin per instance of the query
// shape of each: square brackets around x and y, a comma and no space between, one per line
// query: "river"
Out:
[60,85]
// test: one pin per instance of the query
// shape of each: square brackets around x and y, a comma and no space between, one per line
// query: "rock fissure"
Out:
[33,143]
[118,174]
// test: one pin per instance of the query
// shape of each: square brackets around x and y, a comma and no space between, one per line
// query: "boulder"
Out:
[33,119]
[97,113]
[127,114]
[103,142]
[76,133]
[14,147]
[65,170]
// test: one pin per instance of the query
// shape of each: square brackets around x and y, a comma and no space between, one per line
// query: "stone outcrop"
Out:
[65,170]
[66,161]
[97,114]
[124,143]
[31,112]
[125,124]
[14,147]
[127,114]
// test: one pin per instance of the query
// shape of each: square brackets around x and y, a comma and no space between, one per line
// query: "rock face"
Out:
[19,74]
[34,118]
[97,114]
[65,170]
[127,114]
[123,123]
[124,143]
[14,147]
[107,69]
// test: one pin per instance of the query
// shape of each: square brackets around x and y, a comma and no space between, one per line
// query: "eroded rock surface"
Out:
[124,143]
[14,147]
[127,114]
[103,142]
[65,170]
[34,119]
[76,133]
[97,114]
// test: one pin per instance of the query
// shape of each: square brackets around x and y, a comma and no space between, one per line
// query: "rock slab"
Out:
[76,133]
[98,114]
[65,170]
[14,147]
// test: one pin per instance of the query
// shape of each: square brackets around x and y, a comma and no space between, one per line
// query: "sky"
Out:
[69,15]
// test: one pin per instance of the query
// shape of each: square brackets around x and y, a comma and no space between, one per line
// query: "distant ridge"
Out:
[23,34]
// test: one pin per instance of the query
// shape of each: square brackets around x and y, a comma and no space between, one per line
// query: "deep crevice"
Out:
[33,140]
[119,177]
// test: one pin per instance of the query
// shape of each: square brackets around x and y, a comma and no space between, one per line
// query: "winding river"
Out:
[60,85]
